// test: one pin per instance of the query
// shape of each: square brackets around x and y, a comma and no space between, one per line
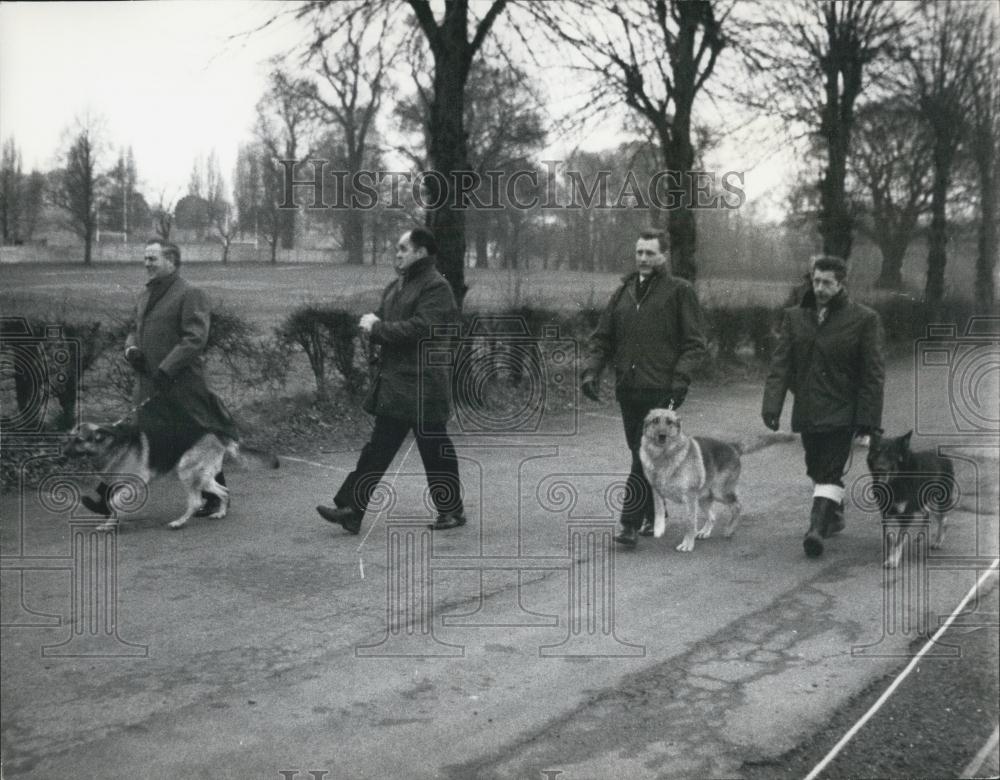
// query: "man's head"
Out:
[827,276]
[650,252]
[161,258]
[413,246]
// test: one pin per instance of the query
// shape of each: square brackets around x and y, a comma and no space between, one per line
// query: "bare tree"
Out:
[653,56]
[220,212]
[943,67]
[20,196]
[813,61]
[284,120]
[351,63]
[79,180]
[892,165]
[455,36]
[984,147]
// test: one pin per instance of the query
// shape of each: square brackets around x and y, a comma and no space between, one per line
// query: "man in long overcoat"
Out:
[409,392]
[174,404]
[830,356]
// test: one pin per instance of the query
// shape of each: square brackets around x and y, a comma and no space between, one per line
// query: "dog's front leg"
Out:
[659,514]
[895,540]
[193,502]
[687,543]
[941,522]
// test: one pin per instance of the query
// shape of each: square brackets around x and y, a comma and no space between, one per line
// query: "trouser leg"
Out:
[826,456]
[437,452]
[385,441]
[638,504]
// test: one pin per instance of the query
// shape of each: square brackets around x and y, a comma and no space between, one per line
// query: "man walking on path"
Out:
[830,356]
[166,349]
[408,393]
[652,331]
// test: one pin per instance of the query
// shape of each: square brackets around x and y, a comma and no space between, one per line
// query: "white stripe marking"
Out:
[903,675]
[984,752]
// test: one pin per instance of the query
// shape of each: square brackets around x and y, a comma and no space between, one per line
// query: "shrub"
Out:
[325,334]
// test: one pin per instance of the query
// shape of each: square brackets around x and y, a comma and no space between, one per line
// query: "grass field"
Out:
[265,293]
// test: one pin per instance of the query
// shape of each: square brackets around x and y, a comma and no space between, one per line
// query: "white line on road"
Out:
[984,752]
[313,463]
[903,675]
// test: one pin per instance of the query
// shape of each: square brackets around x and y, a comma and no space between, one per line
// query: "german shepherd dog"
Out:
[195,457]
[693,470]
[913,485]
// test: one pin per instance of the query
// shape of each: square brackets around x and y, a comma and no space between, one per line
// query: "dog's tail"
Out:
[762,441]
[249,457]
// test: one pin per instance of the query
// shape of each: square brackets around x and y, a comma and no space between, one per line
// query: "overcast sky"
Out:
[176,79]
[166,76]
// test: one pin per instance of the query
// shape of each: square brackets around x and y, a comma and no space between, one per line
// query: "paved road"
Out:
[272,642]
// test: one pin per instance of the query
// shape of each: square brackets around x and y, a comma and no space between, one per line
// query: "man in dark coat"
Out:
[830,356]
[166,350]
[653,332]
[408,393]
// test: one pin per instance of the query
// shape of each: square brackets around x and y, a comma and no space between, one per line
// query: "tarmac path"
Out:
[273,645]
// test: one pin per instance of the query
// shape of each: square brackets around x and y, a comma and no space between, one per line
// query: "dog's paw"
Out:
[704,533]
[687,544]
[177,524]
[111,525]
[216,515]
[659,528]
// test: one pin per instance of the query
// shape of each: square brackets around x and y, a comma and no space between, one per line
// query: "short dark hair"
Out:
[423,238]
[659,235]
[829,263]
[169,249]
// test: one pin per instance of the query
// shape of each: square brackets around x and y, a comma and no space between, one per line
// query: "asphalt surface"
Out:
[271,644]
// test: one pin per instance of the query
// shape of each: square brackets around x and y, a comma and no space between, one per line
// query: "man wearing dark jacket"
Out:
[830,356]
[652,331]
[408,393]
[166,350]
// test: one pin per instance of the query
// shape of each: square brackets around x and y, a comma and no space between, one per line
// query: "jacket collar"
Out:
[656,273]
[838,301]
[417,268]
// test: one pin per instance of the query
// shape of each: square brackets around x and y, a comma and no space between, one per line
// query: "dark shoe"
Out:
[834,522]
[628,537]
[647,528]
[346,516]
[822,509]
[98,506]
[448,521]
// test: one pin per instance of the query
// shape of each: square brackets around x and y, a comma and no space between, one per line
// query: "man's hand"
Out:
[676,397]
[589,388]
[772,421]
[367,321]
[136,358]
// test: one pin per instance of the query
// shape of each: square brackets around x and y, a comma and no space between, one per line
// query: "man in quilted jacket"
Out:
[830,356]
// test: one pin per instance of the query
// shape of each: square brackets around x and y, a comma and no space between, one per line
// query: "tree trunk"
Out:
[353,232]
[893,248]
[986,259]
[937,237]
[88,241]
[448,152]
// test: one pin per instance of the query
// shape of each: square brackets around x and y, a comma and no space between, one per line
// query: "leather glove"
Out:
[589,388]
[772,421]
[676,397]
[136,358]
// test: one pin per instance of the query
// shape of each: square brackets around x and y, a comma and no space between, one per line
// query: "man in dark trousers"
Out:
[167,349]
[408,393]
[652,331]
[830,356]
